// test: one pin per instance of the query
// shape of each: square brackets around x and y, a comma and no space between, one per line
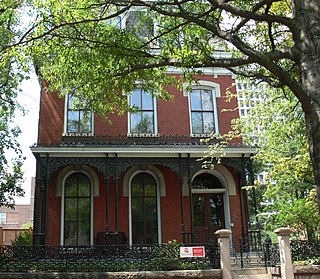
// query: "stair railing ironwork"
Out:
[249,252]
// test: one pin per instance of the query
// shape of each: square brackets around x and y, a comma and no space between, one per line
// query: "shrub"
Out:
[23,239]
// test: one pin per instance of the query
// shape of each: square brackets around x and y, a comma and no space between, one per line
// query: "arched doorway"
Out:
[144,209]
[208,206]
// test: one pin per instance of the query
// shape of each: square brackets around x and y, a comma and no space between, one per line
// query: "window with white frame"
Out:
[3,218]
[77,210]
[78,120]
[203,111]
[144,119]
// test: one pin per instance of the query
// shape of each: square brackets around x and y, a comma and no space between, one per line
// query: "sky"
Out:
[29,99]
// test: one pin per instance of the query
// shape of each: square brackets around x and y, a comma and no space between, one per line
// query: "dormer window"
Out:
[140,23]
[143,120]
[78,120]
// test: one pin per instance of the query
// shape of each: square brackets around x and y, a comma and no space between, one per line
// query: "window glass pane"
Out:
[70,233]
[216,214]
[135,98]
[150,205]
[84,209]
[147,101]
[196,119]
[198,210]
[150,187]
[85,121]
[207,103]
[71,186]
[3,218]
[206,181]
[84,186]
[137,209]
[140,23]
[195,100]
[70,209]
[151,233]
[142,122]
[135,120]
[208,123]
[71,100]
[84,233]
[137,186]
[146,124]
[73,121]
[137,236]
[114,22]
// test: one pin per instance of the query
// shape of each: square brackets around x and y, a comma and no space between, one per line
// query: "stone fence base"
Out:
[186,274]
[300,272]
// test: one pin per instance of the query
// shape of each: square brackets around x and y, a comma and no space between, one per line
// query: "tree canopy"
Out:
[11,63]
[102,48]
[285,196]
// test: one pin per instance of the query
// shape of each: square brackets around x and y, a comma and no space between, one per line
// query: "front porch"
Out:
[186,207]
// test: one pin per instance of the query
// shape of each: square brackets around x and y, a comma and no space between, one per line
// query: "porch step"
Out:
[251,273]
[253,276]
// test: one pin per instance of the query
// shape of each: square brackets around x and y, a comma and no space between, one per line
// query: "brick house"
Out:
[138,180]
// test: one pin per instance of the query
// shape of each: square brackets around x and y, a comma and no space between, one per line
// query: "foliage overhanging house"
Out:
[138,180]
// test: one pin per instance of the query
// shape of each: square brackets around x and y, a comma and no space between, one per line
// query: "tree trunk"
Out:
[307,38]
[312,118]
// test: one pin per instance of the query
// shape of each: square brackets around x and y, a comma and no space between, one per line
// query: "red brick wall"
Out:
[173,116]
[170,210]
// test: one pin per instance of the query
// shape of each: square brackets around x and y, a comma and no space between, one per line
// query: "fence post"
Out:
[224,243]
[1,236]
[268,243]
[285,253]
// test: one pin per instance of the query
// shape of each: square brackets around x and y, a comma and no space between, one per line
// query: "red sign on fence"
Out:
[189,252]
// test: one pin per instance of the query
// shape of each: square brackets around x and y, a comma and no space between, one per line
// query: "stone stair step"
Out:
[252,276]
[251,273]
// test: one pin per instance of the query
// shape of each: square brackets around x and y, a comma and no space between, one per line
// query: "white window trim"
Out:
[65,122]
[155,119]
[215,89]
[63,206]
[158,206]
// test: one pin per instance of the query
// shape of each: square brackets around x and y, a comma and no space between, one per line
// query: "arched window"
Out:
[144,209]
[77,210]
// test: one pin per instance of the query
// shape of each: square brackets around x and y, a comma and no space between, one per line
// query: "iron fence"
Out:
[104,258]
[254,252]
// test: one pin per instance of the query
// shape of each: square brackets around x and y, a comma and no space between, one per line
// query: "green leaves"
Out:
[276,125]
[12,66]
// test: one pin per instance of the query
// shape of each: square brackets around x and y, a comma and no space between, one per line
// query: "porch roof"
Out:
[141,146]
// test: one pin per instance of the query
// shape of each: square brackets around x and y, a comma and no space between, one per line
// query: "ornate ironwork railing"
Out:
[104,258]
[254,253]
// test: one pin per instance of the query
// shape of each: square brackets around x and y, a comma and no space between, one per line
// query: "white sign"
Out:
[192,252]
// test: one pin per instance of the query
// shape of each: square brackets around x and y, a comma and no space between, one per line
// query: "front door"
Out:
[208,215]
